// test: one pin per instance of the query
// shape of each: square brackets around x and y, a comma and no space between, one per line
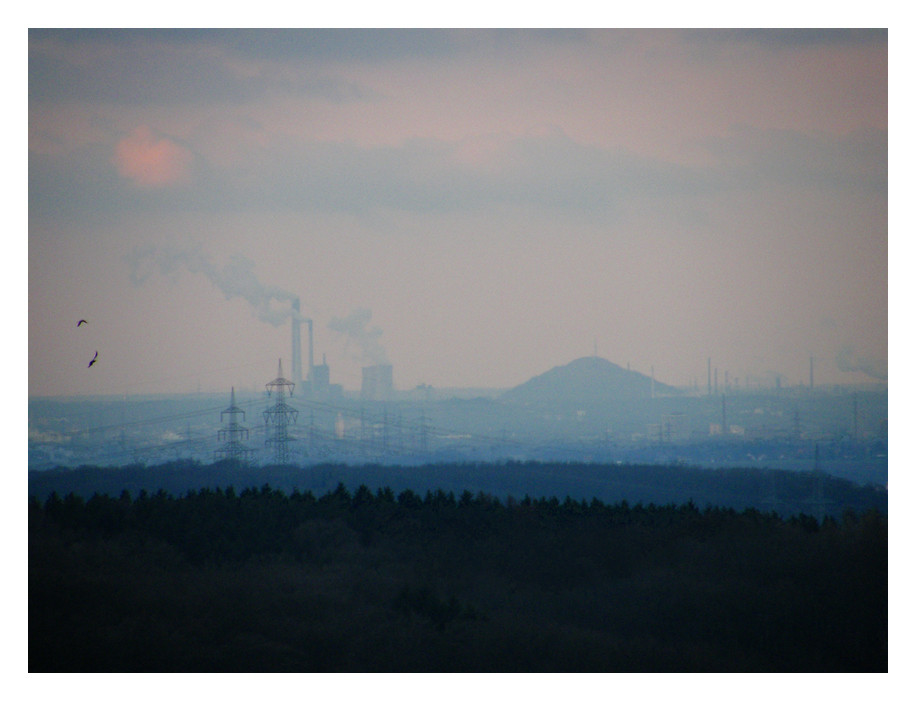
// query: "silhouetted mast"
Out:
[279,416]
[233,436]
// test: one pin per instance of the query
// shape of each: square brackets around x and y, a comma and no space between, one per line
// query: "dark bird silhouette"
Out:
[82,321]
[93,360]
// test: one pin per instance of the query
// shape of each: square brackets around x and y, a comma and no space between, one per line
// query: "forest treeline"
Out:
[783,491]
[372,580]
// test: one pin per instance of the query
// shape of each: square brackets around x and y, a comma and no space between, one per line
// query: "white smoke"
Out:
[235,279]
[356,328]
[849,362]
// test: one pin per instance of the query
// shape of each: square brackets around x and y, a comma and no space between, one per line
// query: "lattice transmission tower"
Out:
[279,416]
[234,435]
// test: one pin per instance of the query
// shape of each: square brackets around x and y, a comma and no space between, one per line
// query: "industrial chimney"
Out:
[311,357]
[297,350]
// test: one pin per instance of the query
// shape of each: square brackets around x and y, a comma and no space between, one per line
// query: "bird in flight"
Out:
[93,360]
[82,321]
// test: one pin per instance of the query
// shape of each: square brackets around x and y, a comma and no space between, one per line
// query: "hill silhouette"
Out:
[587,381]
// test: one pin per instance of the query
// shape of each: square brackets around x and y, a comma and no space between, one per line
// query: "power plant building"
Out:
[321,378]
[320,384]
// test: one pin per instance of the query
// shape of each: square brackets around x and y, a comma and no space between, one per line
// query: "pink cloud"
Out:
[151,161]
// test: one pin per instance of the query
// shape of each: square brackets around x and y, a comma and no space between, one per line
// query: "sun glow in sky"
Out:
[480,205]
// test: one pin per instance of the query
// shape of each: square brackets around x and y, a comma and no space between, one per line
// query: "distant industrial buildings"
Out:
[589,407]
[319,386]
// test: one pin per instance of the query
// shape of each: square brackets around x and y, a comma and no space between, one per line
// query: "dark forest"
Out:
[363,580]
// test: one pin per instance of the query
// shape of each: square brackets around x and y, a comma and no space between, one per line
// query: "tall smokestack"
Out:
[709,379]
[311,356]
[811,372]
[297,350]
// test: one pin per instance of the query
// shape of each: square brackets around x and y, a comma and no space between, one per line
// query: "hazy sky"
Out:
[478,206]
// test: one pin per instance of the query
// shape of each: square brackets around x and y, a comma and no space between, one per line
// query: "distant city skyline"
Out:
[473,207]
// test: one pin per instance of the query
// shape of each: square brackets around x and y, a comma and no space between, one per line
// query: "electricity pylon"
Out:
[279,416]
[233,436]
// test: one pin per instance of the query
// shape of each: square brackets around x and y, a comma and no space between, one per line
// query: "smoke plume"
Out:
[849,362]
[355,327]
[236,279]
